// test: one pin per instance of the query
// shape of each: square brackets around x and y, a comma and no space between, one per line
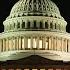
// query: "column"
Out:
[4,44]
[23,47]
[14,43]
[58,44]
[26,42]
[68,45]
[54,44]
[20,46]
[46,43]
[25,24]
[7,44]
[65,45]
[37,43]
[31,42]
[43,24]
[0,45]
[43,42]
[62,44]
[50,43]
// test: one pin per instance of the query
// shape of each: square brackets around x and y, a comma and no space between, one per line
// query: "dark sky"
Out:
[6,5]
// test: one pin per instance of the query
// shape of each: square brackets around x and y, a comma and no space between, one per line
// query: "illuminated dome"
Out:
[35,27]
[35,7]
[35,15]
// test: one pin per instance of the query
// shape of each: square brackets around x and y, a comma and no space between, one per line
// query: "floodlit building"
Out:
[34,38]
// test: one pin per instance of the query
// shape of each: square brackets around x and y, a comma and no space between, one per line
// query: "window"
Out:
[46,25]
[18,26]
[34,24]
[29,43]
[41,25]
[55,26]
[28,25]
[51,26]
[40,44]
[23,25]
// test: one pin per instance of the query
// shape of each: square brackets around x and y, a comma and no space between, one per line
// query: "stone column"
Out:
[54,43]
[46,43]
[14,43]
[62,44]
[43,42]
[26,42]
[23,43]
[4,45]
[48,24]
[19,43]
[7,44]
[37,43]
[25,24]
[65,45]
[1,45]
[68,45]
[43,24]
[50,43]
[10,44]
[31,42]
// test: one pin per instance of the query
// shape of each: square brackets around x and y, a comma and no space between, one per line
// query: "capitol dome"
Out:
[35,27]
[35,15]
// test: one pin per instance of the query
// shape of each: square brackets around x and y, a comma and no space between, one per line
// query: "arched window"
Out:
[46,25]
[23,25]
[18,26]
[14,25]
[41,25]
[34,24]
[51,25]
[55,26]
[28,25]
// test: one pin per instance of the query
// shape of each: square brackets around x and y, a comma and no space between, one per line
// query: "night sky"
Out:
[6,5]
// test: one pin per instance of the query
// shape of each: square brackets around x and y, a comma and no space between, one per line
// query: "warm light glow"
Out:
[58,69]
[34,69]
[34,43]
[10,69]
[19,43]
[29,43]
[22,43]
[46,45]
[18,69]
[3,69]
[40,43]
[26,69]
[42,69]
[50,69]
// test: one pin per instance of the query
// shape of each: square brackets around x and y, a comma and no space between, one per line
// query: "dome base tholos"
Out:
[49,54]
